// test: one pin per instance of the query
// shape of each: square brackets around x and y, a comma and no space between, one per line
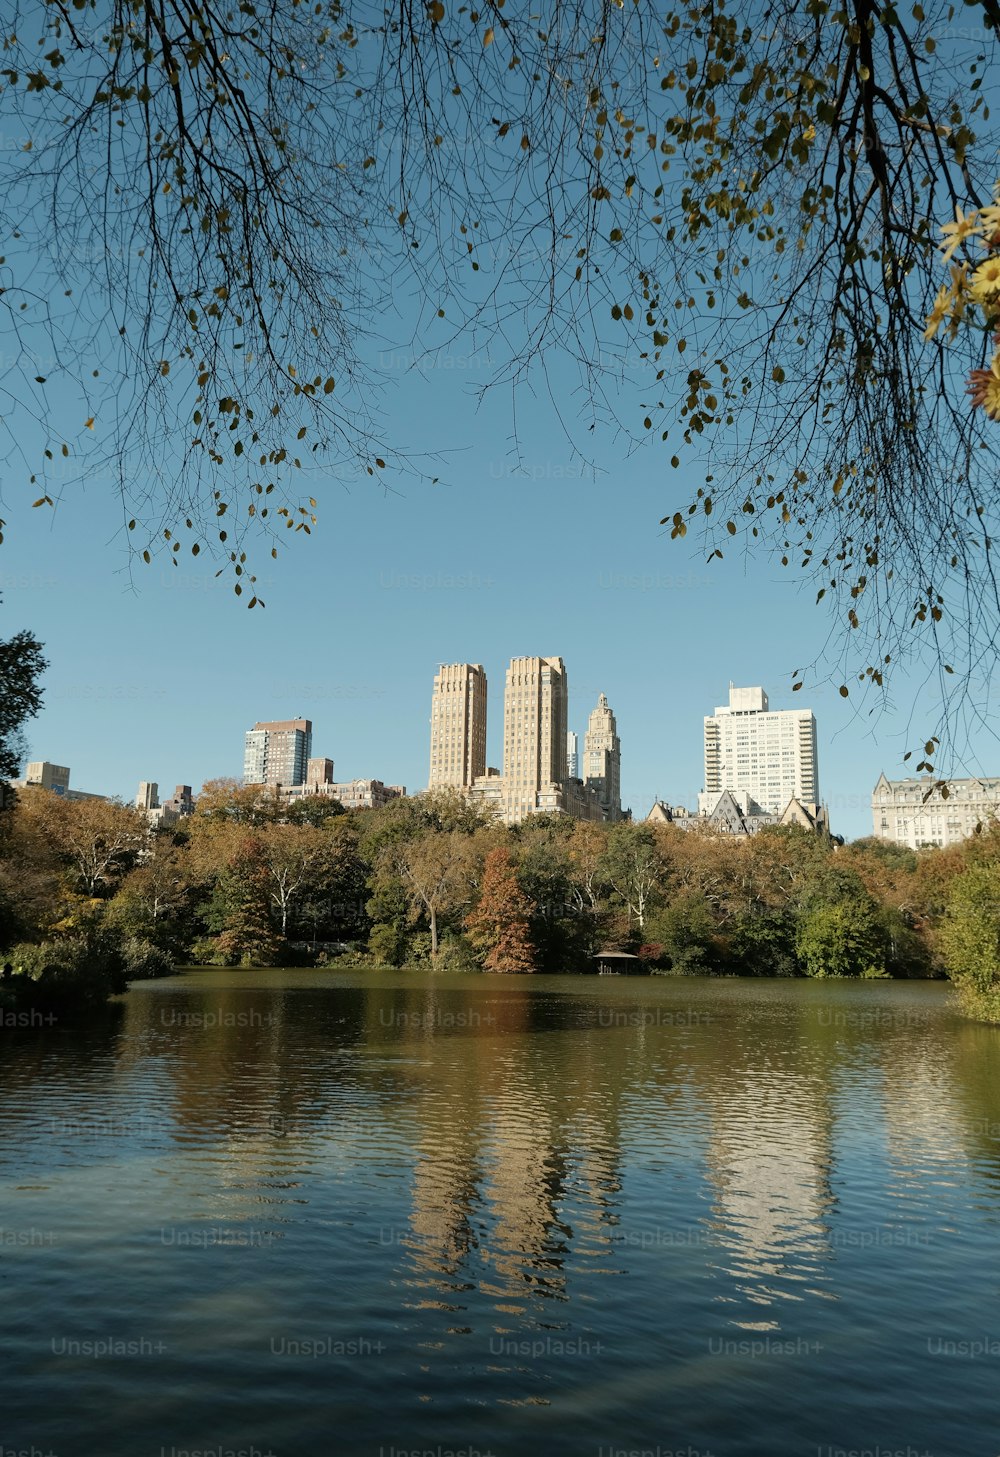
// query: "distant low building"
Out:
[352,794]
[54,778]
[735,812]
[161,816]
[913,812]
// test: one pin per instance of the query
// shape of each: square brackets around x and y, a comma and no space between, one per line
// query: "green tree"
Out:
[840,939]
[635,867]
[500,925]
[434,870]
[240,908]
[21,666]
[970,938]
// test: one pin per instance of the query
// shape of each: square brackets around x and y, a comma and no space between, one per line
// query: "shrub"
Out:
[144,961]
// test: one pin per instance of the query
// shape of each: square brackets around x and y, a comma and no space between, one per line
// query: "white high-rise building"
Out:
[458,726]
[770,755]
[572,756]
[602,758]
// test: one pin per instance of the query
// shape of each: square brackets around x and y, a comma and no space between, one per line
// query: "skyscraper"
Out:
[458,726]
[572,756]
[534,732]
[602,758]
[278,752]
[771,755]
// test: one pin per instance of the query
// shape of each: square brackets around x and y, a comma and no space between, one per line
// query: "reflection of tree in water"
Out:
[972,1098]
[504,1107]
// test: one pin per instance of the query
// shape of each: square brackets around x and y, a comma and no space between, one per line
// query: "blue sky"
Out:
[156,672]
[158,675]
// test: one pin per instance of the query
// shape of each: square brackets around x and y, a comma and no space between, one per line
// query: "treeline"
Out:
[89,898]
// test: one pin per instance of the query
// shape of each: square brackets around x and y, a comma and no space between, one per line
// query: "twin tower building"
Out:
[538,776]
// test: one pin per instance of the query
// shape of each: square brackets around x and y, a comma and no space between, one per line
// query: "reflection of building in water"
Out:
[514,1162]
[528,1169]
[447,1195]
[922,1122]
[769,1159]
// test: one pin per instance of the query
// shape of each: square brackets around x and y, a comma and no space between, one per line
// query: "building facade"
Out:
[572,756]
[912,812]
[278,752]
[602,758]
[54,777]
[535,704]
[352,794]
[768,754]
[458,726]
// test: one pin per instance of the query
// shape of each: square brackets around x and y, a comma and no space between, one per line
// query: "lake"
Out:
[300,1212]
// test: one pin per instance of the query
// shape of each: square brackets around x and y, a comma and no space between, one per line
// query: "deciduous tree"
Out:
[500,925]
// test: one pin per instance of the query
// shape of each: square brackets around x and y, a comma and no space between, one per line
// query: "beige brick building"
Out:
[458,726]
[602,758]
[535,706]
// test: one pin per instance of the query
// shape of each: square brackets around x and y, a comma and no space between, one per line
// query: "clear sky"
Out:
[158,677]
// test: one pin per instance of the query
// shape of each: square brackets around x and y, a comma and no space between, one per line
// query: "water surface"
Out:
[301,1212]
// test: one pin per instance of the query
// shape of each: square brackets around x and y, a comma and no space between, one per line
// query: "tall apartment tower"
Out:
[458,726]
[602,758]
[535,706]
[770,755]
[278,752]
[572,756]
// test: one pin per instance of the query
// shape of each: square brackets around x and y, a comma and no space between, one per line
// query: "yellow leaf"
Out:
[488,37]
[89,423]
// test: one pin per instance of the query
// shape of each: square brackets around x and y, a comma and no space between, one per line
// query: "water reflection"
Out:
[466,1168]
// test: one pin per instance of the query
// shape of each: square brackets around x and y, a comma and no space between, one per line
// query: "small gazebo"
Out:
[619,963]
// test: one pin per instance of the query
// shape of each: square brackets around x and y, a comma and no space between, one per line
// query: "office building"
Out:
[770,755]
[602,758]
[458,726]
[912,812]
[278,752]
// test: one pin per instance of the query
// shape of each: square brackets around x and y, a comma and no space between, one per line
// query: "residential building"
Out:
[736,813]
[458,726]
[181,803]
[768,754]
[914,812]
[278,752]
[602,758]
[534,729]
[572,756]
[170,811]
[352,794]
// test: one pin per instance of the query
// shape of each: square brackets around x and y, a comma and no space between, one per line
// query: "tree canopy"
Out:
[21,666]
[728,220]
